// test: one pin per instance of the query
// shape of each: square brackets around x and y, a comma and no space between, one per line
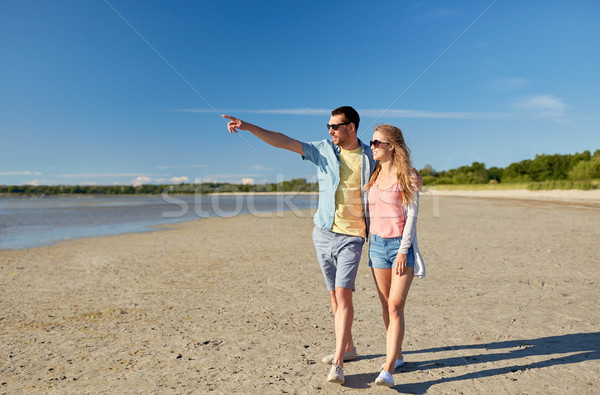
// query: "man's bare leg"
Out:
[334,306]
[344,315]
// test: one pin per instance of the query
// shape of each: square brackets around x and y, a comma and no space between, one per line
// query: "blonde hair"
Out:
[401,161]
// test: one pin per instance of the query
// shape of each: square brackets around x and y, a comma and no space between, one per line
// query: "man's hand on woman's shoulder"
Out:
[416,182]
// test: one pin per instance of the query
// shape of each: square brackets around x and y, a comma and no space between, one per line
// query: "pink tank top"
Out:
[386,214]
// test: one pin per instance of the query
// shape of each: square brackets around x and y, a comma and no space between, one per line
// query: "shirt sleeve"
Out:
[311,150]
[410,226]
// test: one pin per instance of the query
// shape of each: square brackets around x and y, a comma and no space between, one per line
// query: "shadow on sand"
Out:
[580,347]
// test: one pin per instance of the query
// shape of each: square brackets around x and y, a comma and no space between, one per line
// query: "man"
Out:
[344,165]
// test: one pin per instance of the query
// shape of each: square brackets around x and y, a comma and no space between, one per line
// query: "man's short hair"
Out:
[350,114]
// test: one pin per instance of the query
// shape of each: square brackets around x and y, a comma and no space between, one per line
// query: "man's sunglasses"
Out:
[335,126]
[376,143]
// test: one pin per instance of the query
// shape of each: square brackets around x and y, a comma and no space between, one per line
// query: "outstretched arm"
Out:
[275,139]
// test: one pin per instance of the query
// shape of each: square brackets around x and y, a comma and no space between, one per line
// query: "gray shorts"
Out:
[338,256]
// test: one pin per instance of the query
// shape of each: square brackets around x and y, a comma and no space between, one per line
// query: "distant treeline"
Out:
[577,169]
[544,172]
[298,184]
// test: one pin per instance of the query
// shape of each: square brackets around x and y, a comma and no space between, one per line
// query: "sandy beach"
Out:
[509,305]
[565,196]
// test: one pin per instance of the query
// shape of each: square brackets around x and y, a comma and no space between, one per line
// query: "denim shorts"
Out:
[338,256]
[382,252]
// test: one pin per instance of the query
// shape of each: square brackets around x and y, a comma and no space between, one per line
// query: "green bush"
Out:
[586,170]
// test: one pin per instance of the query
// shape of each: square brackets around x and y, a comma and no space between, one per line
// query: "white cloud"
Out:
[442,12]
[540,104]
[92,179]
[548,106]
[181,167]
[284,111]
[206,179]
[422,114]
[259,167]
[509,84]
[544,106]
[179,180]
[104,175]
[391,113]
[20,173]
[228,177]
[422,12]
[141,180]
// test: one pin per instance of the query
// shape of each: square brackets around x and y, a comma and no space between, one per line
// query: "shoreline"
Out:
[568,195]
[158,195]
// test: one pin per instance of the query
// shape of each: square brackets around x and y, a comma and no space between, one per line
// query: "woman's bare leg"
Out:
[383,281]
[399,288]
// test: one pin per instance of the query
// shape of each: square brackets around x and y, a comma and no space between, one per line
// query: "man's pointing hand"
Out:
[235,123]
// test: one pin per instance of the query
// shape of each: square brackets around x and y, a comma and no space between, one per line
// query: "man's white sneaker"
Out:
[385,379]
[348,356]
[336,374]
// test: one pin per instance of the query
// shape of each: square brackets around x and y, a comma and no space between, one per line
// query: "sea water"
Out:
[27,222]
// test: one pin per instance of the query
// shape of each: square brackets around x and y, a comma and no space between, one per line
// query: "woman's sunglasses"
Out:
[377,143]
[335,126]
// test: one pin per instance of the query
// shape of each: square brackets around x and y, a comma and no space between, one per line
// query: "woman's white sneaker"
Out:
[385,379]
[397,364]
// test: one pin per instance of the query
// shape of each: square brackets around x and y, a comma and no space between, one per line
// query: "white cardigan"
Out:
[409,235]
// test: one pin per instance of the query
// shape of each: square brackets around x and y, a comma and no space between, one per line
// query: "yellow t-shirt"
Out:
[349,216]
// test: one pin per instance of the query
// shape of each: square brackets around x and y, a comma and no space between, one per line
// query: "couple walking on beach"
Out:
[363,189]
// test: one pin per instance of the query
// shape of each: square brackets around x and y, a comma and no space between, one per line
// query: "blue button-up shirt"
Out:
[325,155]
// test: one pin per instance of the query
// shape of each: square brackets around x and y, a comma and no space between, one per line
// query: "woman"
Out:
[393,252]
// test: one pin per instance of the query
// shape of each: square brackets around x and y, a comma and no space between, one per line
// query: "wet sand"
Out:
[509,305]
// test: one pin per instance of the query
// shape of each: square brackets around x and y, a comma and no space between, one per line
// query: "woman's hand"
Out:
[400,264]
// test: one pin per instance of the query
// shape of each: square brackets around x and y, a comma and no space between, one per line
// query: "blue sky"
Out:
[130,92]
